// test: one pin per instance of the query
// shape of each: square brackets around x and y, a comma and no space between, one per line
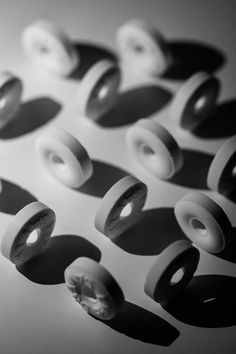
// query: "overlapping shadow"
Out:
[89,54]
[48,267]
[229,253]
[13,198]
[138,323]
[103,177]
[192,56]
[154,230]
[134,104]
[31,115]
[208,301]
[193,173]
[220,124]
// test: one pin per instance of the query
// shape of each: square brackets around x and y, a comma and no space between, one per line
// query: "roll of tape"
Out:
[222,172]
[154,148]
[172,271]
[50,48]
[203,221]
[195,100]
[120,206]
[94,288]
[64,157]
[98,89]
[11,89]
[143,48]
[34,217]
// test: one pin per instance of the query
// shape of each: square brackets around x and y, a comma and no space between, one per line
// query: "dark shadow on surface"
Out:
[208,301]
[191,57]
[154,230]
[132,105]
[103,177]
[138,323]
[31,115]
[220,124]
[193,173]
[89,54]
[229,253]
[48,267]
[13,198]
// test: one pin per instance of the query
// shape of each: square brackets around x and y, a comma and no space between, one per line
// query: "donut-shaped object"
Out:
[98,89]
[195,100]
[34,217]
[50,48]
[222,172]
[172,271]
[203,221]
[154,148]
[120,206]
[64,157]
[11,89]
[94,288]
[143,48]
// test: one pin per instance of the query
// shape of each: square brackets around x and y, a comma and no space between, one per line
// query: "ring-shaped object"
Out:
[50,48]
[172,271]
[35,216]
[203,221]
[128,191]
[11,89]
[154,148]
[222,172]
[98,89]
[94,288]
[195,100]
[64,157]
[143,48]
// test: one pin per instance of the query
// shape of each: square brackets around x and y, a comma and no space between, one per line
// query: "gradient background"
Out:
[37,314]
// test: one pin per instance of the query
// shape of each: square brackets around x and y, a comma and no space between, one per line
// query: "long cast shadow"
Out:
[89,54]
[193,173]
[134,104]
[154,230]
[103,177]
[208,301]
[48,267]
[220,124]
[190,57]
[31,115]
[13,198]
[138,323]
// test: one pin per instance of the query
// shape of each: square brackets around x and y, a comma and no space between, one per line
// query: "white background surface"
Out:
[39,318]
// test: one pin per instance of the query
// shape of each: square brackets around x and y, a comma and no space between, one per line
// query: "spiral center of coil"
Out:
[200,104]
[33,237]
[127,210]
[58,162]
[177,276]
[199,227]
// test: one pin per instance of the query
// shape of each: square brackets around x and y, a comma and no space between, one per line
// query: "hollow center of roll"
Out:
[89,293]
[103,92]
[137,47]
[33,237]
[127,210]
[199,227]
[149,153]
[200,104]
[41,47]
[2,102]
[177,276]
[57,161]
[209,300]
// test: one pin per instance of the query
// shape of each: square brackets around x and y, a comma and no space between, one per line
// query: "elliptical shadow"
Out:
[31,115]
[190,57]
[138,323]
[103,177]
[134,104]
[154,230]
[220,124]
[89,54]
[48,267]
[193,173]
[229,253]
[13,198]
[208,301]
